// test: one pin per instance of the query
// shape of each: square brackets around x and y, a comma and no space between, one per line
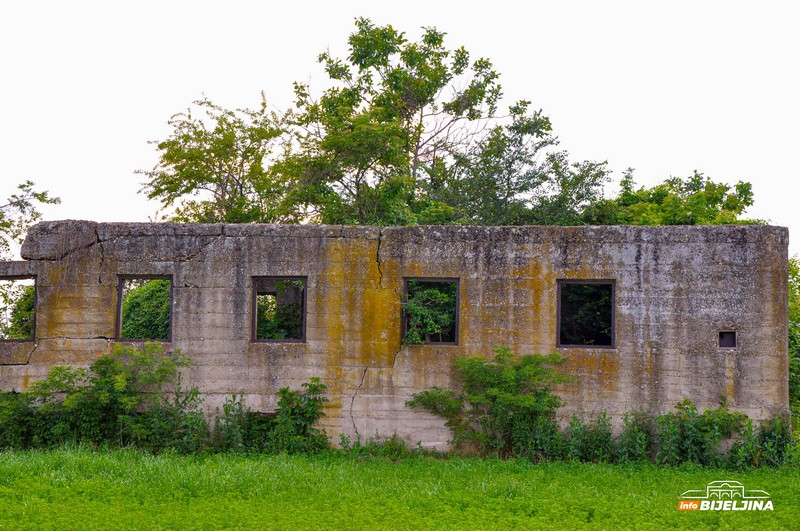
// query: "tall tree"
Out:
[215,167]
[409,133]
[397,108]
[512,176]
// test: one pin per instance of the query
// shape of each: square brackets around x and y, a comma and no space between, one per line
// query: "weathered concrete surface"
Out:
[676,288]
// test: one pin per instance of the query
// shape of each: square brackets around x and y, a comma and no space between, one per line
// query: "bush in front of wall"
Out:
[503,399]
[130,397]
[591,442]
[298,412]
[686,436]
[133,397]
[770,445]
[291,429]
[239,429]
[636,440]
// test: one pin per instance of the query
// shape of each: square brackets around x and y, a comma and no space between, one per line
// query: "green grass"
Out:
[81,489]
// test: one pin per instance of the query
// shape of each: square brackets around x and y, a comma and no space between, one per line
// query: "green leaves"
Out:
[146,309]
[430,312]
[17,302]
[794,339]
[20,211]
[408,132]
[216,167]
[504,400]
[696,200]
[130,396]
[396,108]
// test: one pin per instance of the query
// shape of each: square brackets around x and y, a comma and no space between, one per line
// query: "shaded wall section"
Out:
[676,288]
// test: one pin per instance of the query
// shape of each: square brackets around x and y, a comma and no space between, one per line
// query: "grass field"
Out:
[81,489]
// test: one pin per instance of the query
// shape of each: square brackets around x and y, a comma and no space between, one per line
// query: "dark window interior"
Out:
[17,309]
[430,311]
[586,314]
[279,309]
[727,339]
[145,308]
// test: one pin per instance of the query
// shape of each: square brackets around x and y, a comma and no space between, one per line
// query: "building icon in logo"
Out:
[725,490]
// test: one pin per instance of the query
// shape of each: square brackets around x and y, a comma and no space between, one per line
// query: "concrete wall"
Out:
[676,288]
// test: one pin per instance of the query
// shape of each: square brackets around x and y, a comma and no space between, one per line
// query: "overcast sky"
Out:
[667,89]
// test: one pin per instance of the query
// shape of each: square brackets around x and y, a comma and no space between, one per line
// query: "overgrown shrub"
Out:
[769,446]
[129,397]
[298,412]
[134,397]
[591,442]
[687,436]
[794,340]
[239,429]
[636,440]
[540,440]
[290,430]
[16,420]
[177,423]
[502,399]
[506,407]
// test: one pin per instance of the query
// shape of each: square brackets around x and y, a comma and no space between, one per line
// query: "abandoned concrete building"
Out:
[644,316]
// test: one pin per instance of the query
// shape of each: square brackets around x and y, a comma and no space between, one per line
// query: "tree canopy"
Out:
[18,212]
[695,200]
[215,167]
[407,132]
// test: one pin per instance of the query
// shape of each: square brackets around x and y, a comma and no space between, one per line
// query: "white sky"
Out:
[666,89]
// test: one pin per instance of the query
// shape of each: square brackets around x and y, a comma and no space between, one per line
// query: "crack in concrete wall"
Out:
[353,400]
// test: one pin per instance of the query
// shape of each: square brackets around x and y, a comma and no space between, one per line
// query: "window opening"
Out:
[727,339]
[17,308]
[430,311]
[145,308]
[279,308]
[586,313]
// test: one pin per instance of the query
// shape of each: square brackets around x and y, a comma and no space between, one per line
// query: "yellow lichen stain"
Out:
[379,311]
[55,276]
[415,269]
[329,307]
[730,376]
[358,311]
[592,366]
[538,280]
[26,380]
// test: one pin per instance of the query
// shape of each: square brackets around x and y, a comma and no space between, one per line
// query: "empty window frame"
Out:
[727,339]
[430,311]
[144,310]
[279,309]
[586,313]
[17,308]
